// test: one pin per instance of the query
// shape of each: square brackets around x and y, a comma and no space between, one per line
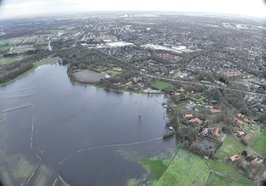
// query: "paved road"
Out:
[202,84]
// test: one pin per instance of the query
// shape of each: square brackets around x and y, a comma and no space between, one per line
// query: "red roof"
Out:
[181,89]
[234,158]
[214,110]
[196,120]
[217,132]
[238,122]
[188,116]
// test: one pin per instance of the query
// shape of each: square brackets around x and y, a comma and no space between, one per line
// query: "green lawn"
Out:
[254,130]
[217,180]
[160,85]
[186,169]
[223,166]
[230,147]
[258,144]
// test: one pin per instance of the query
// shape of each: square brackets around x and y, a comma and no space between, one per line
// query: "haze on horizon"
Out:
[32,8]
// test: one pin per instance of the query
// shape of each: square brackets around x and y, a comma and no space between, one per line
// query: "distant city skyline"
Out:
[31,8]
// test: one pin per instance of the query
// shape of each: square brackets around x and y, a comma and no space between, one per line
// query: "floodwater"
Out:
[84,134]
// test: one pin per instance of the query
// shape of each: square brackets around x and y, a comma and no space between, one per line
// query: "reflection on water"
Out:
[52,131]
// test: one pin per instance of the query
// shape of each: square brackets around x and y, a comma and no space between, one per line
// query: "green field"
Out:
[7,60]
[43,176]
[258,144]
[186,169]
[160,85]
[254,130]
[17,168]
[45,62]
[4,48]
[156,166]
[230,147]
[217,180]
[111,71]
[22,48]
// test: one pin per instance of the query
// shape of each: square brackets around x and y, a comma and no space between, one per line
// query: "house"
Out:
[217,132]
[214,110]
[254,163]
[234,158]
[206,131]
[241,133]
[238,122]
[196,120]
[240,116]
[188,116]
[247,120]
[181,89]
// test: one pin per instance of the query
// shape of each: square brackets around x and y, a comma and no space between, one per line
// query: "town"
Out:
[211,70]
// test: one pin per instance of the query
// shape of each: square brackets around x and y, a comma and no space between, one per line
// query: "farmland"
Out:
[185,165]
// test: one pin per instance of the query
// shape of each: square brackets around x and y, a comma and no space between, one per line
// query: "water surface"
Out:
[87,135]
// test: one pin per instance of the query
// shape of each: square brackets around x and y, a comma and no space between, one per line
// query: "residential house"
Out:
[234,158]
[241,133]
[188,116]
[217,132]
[196,120]
[238,122]
[214,110]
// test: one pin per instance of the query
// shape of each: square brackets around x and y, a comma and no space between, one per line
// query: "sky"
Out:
[32,8]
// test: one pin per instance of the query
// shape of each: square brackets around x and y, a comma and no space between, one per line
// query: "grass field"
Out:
[254,130]
[186,169]
[160,85]
[217,180]
[258,144]
[7,60]
[60,182]
[45,62]
[19,168]
[111,71]
[43,176]
[4,47]
[156,166]
[230,147]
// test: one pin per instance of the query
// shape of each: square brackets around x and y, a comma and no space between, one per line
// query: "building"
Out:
[241,133]
[238,122]
[196,120]
[234,158]
[217,132]
[214,110]
[188,116]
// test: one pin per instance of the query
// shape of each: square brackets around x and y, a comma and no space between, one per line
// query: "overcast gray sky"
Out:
[22,8]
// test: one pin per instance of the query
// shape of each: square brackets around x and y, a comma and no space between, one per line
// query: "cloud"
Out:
[19,8]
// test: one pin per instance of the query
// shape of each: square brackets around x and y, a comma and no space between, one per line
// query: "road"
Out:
[202,84]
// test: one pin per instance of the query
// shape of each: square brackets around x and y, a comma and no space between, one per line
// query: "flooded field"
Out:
[55,133]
